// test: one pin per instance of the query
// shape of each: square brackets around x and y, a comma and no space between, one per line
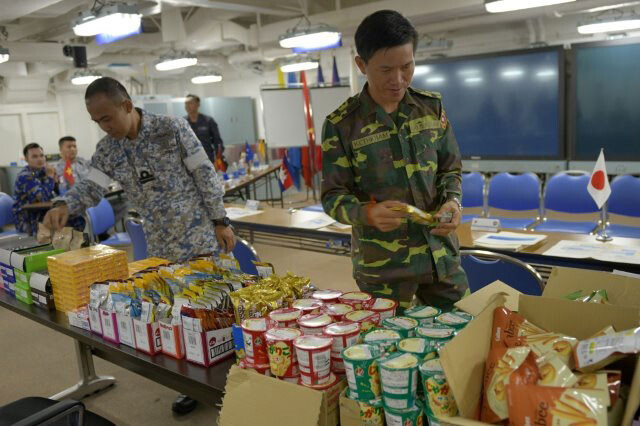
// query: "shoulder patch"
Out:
[434,95]
[344,110]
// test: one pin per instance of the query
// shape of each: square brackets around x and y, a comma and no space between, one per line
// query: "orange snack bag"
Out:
[542,343]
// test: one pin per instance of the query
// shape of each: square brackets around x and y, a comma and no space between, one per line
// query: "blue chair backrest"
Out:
[516,274]
[514,192]
[567,193]
[138,240]
[101,217]
[472,190]
[6,209]
[625,196]
[245,254]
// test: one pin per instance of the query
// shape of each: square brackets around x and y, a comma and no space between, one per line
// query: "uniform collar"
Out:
[370,107]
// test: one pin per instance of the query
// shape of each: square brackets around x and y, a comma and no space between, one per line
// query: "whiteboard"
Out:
[44,129]
[325,100]
[284,120]
[11,132]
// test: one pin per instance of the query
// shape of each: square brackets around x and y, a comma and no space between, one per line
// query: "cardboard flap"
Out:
[253,399]
[576,319]
[478,300]
[460,421]
[622,290]
[463,360]
[39,281]
[5,256]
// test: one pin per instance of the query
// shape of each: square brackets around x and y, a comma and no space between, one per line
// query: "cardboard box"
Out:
[94,321]
[41,291]
[109,324]
[463,358]
[125,330]
[23,292]
[255,399]
[79,319]
[148,338]
[206,348]
[171,339]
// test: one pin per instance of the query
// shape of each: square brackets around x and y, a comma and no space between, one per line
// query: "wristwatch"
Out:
[457,201]
[222,222]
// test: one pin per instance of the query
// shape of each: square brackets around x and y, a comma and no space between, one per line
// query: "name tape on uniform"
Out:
[423,123]
[368,140]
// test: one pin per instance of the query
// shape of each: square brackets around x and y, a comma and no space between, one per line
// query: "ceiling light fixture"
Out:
[206,77]
[611,24]
[84,77]
[304,65]
[499,6]
[116,19]
[4,54]
[175,60]
[312,38]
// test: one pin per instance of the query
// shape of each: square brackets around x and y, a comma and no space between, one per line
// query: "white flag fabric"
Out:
[598,187]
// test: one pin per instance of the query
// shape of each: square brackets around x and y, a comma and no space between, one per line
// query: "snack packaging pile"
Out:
[594,296]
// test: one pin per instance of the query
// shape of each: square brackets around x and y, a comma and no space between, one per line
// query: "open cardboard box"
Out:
[463,358]
[255,399]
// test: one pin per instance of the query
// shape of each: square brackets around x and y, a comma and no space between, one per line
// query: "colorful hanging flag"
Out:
[219,163]
[284,176]
[249,152]
[335,78]
[320,77]
[294,163]
[598,187]
[68,173]
[262,150]
[281,78]
[291,79]
[307,164]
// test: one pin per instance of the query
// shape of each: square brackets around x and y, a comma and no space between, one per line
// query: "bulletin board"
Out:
[284,120]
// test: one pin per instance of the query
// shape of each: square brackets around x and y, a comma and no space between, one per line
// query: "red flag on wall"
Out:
[68,173]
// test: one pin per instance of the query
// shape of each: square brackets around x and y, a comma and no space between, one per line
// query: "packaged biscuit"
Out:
[509,327]
[550,406]
[540,344]
[594,296]
[554,371]
[607,381]
[595,353]
[416,215]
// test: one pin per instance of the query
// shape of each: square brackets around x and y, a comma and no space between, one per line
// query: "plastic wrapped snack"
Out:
[416,215]
[594,296]
[595,353]
[554,371]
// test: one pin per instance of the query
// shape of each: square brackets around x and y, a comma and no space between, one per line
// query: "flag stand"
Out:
[603,237]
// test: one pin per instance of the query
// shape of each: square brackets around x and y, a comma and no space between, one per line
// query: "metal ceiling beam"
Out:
[236,7]
[17,9]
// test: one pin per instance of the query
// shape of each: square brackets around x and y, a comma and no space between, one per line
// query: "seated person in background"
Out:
[70,168]
[35,183]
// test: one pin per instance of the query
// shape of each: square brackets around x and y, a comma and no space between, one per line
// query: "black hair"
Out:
[381,30]
[194,97]
[29,147]
[110,87]
[66,138]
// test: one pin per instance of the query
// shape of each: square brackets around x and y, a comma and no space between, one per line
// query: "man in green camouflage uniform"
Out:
[387,147]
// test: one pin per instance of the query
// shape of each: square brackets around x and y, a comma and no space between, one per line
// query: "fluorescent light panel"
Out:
[299,66]
[204,79]
[499,6]
[4,54]
[170,64]
[312,40]
[83,80]
[113,24]
[610,26]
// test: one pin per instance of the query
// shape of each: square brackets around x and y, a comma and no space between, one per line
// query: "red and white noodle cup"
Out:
[344,334]
[337,310]
[331,380]
[286,317]
[307,306]
[314,358]
[337,365]
[255,345]
[366,319]
[282,354]
[385,307]
[314,323]
[327,296]
[358,299]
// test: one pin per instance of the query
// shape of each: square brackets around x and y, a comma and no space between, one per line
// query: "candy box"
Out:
[171,339]
[125,330]
[206,347]
[109,324]
[147,336]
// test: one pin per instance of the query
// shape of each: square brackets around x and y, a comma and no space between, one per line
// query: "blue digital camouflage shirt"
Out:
[31,186]
[168,180]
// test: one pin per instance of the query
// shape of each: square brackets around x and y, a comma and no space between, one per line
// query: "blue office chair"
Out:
[6,213]
[100,219]
[32,411]
[472,194]
[245,254]
[566,192]
[138,240]
[484,267]
[516,193]
[313,208]
[625,194]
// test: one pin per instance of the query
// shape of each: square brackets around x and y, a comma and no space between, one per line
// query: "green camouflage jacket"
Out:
[366,156]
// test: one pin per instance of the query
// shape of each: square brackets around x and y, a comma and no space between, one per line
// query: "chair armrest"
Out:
[59,410]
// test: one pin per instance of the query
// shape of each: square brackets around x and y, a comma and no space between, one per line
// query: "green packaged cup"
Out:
[420,347]
[399,379]
[387,340]
[371,412]
[439,401]
[457,320]
[404,325]
[361,369]
[412,416]
[432,421]
[423,314]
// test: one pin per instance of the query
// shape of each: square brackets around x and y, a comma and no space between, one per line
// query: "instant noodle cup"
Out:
[436,333]
[439,401]
[314,358]
[385,307]
[286,317]
[314,323]
[399,379]
[326,296]
[371,412]
[307,306]
[419,346]
[423,314]
[404,325]
[412,416]
[361,367]
[255,345]
[337,310]
[337,365]
[366,319]
[331,380]
[383,338]
[344,334]
[358,299]
[457,320]
[282,354]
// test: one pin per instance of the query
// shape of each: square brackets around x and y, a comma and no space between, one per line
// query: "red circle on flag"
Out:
[597,180]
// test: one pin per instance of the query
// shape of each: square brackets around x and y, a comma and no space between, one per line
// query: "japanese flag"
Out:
[599,188]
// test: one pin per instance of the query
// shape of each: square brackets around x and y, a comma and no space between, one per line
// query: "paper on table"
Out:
[508,240]
[606,252]
[320,221]
[238,212]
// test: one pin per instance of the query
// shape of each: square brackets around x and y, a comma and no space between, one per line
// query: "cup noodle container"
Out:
[385,339]
[385,307]
[366,319]
[361,366]
[255,344]
[457,320]
[281,353]
[439,401]
[307,306]
[330,382]
[399,378]
[327,296]
[314,358]
[337,310]
[436,333]
[286,317]
[404,325]
[358,299]
[423,314]
[314,323]
[407,417]
[371,412]
[420,347]
[344,334]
